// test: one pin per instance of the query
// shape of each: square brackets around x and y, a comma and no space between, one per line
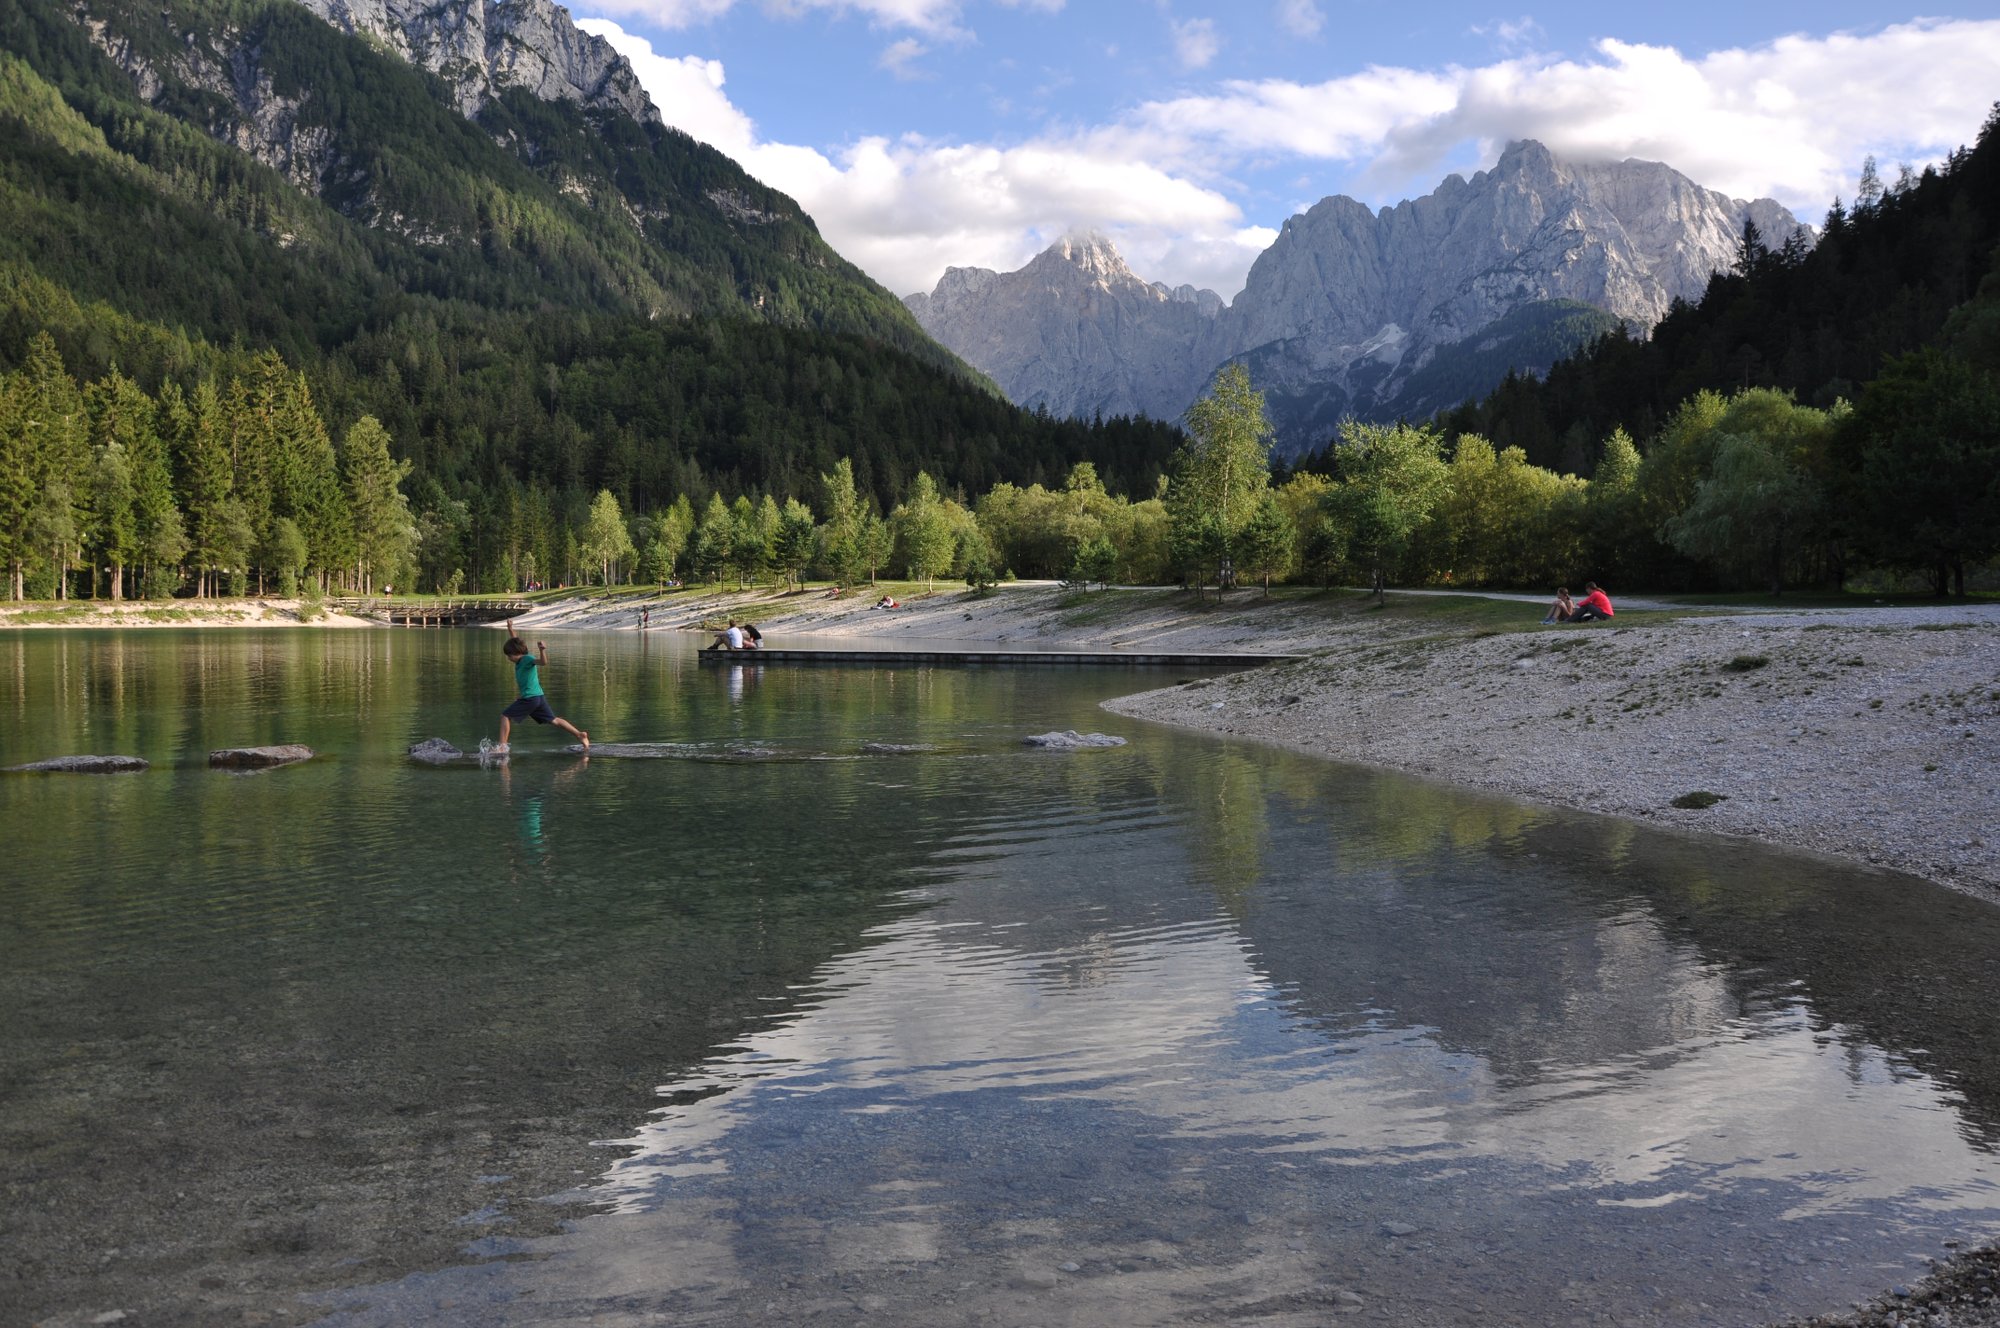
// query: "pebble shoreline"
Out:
[1868,736]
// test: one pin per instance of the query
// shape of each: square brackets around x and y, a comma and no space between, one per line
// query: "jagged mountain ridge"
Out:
[1349,305]
[480,47]
[1075,332]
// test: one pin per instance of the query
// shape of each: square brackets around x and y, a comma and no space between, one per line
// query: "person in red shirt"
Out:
[1594,604]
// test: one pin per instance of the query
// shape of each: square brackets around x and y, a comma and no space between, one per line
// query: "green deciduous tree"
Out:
[1392,476]
[923,531]
[1223,469]
[841,550]
[606,541]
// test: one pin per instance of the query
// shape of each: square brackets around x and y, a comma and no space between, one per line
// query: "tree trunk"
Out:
[117,581]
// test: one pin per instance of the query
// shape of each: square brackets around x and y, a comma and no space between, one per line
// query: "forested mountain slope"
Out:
[549,295]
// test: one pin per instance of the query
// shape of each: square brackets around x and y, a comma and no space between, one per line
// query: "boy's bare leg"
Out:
[581,736]
[506,727]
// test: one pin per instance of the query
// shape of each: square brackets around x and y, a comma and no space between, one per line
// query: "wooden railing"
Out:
[430,612]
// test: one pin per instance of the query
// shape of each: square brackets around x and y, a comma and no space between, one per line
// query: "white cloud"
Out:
[903,210]
[1790,119]
[1195,42]
[1301,18]
[1511,35]
[900,57]
[936,18]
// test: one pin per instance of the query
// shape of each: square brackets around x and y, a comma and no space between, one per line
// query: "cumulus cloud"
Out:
[1790,119]
[1195,42]
[905,209]
[1301,18]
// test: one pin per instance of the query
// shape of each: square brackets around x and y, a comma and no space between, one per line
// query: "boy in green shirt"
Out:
[532,703]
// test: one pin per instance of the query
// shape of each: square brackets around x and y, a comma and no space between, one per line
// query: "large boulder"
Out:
[83,765]
[259,758]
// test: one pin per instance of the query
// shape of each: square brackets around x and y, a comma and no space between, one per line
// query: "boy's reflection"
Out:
[536,807]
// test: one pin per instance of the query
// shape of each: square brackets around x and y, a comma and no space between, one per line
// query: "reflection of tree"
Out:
[1223,802]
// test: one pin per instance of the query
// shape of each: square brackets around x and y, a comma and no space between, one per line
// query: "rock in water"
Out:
[259,758]
[1070,740]
[82,765]
[435,751]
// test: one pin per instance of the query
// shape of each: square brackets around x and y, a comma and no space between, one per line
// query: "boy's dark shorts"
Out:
[531,707]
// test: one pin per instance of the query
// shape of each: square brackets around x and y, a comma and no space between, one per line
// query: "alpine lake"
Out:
[815,996]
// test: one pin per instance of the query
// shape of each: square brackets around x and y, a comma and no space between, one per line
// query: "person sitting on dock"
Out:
[729,638]
[752,638]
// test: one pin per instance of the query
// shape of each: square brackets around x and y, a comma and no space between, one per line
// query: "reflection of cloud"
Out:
[1790,119]
[1173,1024]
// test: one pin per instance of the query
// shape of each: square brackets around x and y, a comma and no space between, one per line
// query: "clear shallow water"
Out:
[778,1028]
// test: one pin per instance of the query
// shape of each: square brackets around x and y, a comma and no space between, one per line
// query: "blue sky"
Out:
[922,133]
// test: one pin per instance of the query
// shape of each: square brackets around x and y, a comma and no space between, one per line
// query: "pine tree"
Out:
[43,449]
[384,534]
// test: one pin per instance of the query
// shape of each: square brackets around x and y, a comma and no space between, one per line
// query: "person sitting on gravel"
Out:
[887,602]
[1595,604]
[1564,606]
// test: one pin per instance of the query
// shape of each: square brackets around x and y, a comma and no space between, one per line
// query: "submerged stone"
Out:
[83,765]
[435,751]
[259,758]
[1071,740]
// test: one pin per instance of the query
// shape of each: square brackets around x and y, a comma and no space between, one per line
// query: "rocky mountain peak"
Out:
[1091,253]
[482,47]
[1075,329]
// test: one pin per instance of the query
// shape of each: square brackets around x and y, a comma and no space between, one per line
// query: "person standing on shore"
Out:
[531,703]
[1594,604]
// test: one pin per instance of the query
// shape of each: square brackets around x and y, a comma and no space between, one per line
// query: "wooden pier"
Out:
[432,613]
[1085,659]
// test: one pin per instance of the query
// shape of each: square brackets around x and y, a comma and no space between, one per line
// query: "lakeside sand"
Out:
[170,613]
[1867,734]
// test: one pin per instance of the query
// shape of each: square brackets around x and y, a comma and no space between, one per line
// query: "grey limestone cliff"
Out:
[1348,303]
[1076,330]
[480,47]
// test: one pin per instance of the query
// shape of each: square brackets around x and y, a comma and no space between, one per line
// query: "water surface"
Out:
[830,1001]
